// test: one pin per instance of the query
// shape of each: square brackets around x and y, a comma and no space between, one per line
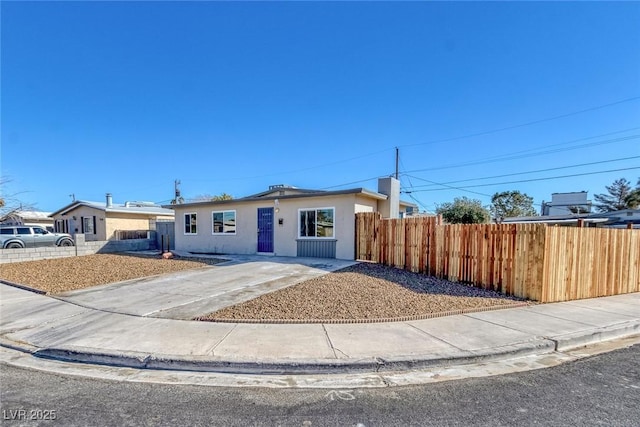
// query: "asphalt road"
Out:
[601,390]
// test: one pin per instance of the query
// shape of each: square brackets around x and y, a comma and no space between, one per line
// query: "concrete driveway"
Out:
[187,294]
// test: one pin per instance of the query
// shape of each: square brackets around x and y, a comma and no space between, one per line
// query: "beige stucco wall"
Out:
[123,221]
[245,241]
[106,223]
[75,225]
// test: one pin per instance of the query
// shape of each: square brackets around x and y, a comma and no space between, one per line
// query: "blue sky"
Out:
[126,97]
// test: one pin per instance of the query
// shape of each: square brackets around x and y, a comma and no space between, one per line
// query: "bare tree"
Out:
[212,198]
[10,202]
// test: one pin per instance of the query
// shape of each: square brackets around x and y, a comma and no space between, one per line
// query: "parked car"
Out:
[30,236]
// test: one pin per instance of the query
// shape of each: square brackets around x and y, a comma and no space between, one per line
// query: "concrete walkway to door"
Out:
[188,294]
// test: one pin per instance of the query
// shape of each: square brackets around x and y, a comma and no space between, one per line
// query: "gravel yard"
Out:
[66,274]
[364,291]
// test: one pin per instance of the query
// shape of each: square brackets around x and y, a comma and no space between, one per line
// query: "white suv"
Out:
[28,236]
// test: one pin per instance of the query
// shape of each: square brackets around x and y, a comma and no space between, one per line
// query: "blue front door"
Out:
[265,229]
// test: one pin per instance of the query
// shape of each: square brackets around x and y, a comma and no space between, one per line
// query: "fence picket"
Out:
[527,260]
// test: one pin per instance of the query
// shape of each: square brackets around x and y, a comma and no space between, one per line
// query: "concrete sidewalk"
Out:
[188,294]
[51,328]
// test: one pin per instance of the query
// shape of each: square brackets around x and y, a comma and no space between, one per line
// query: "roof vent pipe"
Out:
[109,200]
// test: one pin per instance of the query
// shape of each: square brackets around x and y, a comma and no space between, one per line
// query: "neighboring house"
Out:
[23,217]
[615,219]
[618,219]
[284,221]
[568,220]
[102,220]
[566,203]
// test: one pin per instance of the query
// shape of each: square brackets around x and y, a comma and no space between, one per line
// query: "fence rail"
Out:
[134,234]
[527,260]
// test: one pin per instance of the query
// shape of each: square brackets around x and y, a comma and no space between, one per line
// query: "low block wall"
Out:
[82,248]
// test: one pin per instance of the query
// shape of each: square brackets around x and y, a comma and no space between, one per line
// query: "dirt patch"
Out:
[67,274]
[364,291]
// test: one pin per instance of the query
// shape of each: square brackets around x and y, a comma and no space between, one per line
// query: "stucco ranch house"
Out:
[100,221]
[284,221]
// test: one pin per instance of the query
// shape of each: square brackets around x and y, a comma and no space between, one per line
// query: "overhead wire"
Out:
[450,187]
[518,154]
[533,122]
[513,157]
[533,179]
[411,196]
[529,172]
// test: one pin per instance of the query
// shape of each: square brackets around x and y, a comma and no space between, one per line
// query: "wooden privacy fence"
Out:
[531,261]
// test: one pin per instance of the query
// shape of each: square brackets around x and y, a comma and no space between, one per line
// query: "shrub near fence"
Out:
[531,261]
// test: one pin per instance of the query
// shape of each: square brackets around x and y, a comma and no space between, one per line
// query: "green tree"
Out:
[510,204]
[463,211]
[620,196]
[633,199]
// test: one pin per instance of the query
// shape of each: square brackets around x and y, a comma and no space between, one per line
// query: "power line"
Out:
[434,141]
[353,182]
[447,187]
[536,179]
[528,172]
[572,141]
[534,122]
[306,169]
[513,157]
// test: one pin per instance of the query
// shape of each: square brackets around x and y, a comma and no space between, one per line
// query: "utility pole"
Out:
[177,198]
[397,159]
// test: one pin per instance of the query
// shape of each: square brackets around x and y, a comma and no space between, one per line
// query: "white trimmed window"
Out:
[190,220]
[316,223]
[224,222]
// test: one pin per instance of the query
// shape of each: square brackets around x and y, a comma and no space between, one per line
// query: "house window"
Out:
[316,223]
[190,223]
[89,224]
[224,222]
[61,226]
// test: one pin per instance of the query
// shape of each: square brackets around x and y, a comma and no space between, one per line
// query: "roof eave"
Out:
[362,191]
[74,205]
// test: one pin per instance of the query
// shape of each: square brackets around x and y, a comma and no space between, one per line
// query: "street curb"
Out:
[23,287]
[212,364]
[141,360]
[585,338]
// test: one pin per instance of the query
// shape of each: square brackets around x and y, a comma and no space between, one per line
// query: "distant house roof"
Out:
[621,213]
[613,218]
[548,219]
[283,190]
[27,215]
[619,218]
[137,208]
